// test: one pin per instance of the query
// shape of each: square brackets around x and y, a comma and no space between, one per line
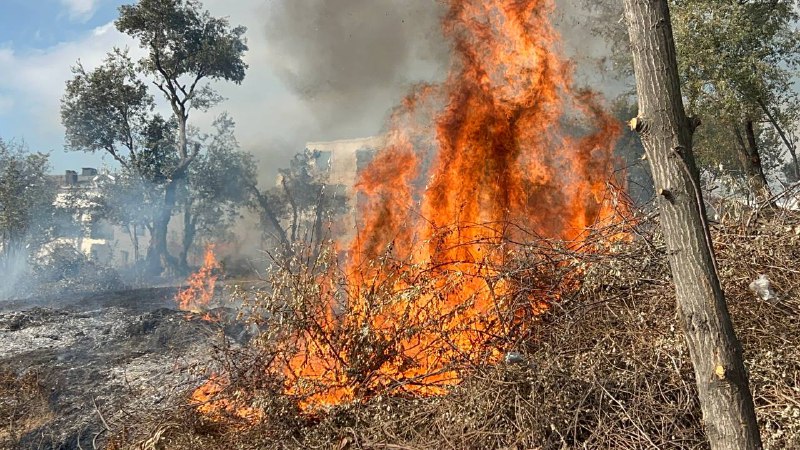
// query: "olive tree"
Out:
[109,109]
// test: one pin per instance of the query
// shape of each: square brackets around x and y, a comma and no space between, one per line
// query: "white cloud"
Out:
[80,10]
[32,83]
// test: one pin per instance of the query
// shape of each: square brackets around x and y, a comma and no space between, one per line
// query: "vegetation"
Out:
[301,205]
[216,188]
[606,367]
[26,213]
[587,354]
[736,63]
[109,109]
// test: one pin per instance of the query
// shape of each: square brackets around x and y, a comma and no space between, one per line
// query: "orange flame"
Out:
[514,151]
[513,143]
[198,295]
[209,401]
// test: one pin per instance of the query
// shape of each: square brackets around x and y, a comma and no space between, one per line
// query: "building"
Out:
[343,160]
[78,223]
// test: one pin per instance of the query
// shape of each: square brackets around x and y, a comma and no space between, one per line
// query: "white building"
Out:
[343,160]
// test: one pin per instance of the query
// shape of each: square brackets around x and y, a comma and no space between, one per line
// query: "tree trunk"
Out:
[159,259]
[750,159]
[189,233]
[268,216]
[132,234]
[135,242]
[666,133]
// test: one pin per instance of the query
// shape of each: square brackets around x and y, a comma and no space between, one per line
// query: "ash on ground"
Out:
[66,371]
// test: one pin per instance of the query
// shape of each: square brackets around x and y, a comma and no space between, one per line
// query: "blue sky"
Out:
[41,39]
[30,33]
[39,24]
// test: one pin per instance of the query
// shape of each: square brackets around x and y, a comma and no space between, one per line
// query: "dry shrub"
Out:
[605,367]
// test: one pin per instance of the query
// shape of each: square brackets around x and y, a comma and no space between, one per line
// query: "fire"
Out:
[503,150]
[209,401]
[198,295]
[514,152]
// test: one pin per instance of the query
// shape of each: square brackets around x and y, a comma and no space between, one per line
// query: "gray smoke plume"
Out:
[352,60]
[582,24]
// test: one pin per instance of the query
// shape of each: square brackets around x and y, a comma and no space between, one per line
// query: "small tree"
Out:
[108,109]
[26,207]
[217,187]
[297,208]
[666,133]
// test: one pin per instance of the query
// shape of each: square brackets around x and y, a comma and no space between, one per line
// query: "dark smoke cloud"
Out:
[352,60]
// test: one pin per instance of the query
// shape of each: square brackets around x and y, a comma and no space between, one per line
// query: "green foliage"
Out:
[106,109]
[26,205]
[733,54]
[736,59]
[158,158]
[184,40]
[186,45]
[218,183]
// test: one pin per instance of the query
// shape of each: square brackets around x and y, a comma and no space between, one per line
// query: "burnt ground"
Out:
[67,365]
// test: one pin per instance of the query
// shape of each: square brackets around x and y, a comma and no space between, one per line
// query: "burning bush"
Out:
[495,294]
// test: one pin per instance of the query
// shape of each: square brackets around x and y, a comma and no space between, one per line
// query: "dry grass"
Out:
[605,367]
[23,405]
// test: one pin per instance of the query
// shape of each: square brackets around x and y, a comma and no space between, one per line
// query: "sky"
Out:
[318,69]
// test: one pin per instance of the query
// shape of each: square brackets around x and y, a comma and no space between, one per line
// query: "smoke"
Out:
[352,60]
[14,266]
[580,23]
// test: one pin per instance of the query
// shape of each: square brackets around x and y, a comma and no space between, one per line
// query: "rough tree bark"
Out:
[750,159]
[666,133]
